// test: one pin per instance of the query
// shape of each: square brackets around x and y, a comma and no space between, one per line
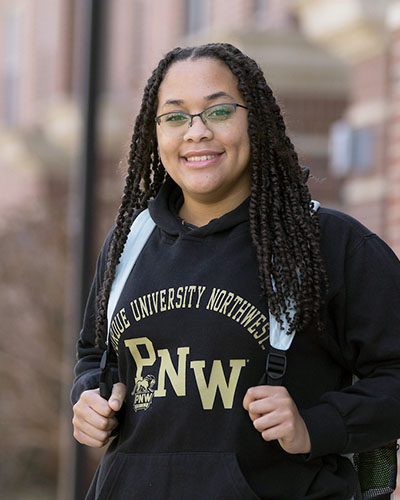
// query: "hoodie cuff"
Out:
[89,380]
[326,429]
[86,381]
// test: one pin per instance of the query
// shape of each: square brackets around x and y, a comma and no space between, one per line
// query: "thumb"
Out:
[117,396]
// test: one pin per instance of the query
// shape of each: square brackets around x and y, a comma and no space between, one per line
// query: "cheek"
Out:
[165,148]
[240,146]
[236,138]
[164,151]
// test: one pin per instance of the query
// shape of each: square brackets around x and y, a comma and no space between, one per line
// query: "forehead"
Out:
[193,80]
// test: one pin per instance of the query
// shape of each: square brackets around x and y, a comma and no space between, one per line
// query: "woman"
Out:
[236,240]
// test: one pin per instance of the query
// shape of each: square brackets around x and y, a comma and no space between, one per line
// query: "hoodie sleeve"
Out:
[364,315]
[87,369]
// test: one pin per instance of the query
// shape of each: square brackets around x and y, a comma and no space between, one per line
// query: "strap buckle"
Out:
[276,365]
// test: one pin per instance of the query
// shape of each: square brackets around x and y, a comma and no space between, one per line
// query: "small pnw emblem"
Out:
[143,393]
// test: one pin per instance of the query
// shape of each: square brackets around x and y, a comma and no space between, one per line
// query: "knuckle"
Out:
[266,435]
[258,425]
[104,436]
[84,396]
[253,416]
[290,427]
[251,392]
[78,435]
[287,414]
[76,408]
[252,407]
[104,424]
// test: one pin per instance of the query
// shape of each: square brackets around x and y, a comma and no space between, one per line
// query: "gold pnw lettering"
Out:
[217,381]
[177,377]
[141,362]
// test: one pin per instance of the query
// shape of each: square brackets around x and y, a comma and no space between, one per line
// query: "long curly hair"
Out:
[284,232]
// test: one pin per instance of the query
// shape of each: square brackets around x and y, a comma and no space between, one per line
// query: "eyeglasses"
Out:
[219,116]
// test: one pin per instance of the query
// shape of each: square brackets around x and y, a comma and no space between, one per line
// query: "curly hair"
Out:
[283,230]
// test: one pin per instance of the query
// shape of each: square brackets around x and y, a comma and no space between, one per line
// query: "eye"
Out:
[220,113]
[175,119]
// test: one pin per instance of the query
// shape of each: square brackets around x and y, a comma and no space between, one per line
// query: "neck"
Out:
[200,213]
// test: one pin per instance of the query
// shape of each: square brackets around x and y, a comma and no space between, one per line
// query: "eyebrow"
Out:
[211,97]
[216,95]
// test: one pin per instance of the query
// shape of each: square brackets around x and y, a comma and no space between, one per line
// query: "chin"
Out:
[200,190]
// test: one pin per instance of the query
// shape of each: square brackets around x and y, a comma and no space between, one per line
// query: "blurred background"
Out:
[335,70]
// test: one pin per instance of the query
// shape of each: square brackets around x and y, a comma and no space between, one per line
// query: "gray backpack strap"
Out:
[141,229]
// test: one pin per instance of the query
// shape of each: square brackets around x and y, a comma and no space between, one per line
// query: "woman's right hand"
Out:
[94,417]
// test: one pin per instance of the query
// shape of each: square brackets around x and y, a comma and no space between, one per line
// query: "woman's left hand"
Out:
[275,415]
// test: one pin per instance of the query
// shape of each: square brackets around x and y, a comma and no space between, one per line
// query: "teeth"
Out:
[201,158]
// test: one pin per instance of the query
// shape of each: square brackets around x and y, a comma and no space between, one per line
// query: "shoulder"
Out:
[342,233]
[347,246]
[333,220]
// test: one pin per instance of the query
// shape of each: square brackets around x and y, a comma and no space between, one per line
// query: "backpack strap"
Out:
[140,231]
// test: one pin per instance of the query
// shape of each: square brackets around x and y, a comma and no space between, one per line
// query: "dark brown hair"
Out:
[284,232]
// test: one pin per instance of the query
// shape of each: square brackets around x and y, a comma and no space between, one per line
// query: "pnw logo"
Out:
[219,380]
[143,393]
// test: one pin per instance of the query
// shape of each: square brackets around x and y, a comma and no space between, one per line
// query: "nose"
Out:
[198,131]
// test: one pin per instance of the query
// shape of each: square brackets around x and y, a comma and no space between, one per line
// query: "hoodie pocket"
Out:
[172,476]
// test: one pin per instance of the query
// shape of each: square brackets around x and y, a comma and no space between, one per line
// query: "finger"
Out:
[273,398]
[99,432]
[260,392]
[262,406]
[93,412]
[93,400]
[249,397]
[92,418]
[265,422]
[277,432]
[117,396]
[88,440]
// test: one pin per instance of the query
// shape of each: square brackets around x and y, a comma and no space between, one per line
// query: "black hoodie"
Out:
[190,334]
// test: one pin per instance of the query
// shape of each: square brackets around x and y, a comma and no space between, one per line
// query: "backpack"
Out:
[376,469]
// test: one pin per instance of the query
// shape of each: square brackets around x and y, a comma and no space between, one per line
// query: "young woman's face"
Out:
[209,163]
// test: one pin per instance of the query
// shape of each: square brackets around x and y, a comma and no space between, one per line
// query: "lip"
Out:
[202,163]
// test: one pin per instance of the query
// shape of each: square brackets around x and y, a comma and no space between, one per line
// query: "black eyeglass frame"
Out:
[157,119]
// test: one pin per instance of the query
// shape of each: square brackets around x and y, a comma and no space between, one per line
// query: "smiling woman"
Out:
[238,254]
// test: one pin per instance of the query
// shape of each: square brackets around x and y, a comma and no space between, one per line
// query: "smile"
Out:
[201,158]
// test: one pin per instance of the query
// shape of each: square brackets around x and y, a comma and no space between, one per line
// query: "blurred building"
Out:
[365,143]
[39,73]
[332,66]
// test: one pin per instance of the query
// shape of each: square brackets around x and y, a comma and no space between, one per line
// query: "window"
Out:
[258,7]
[351,149]
[362,149]
[12,66]
[197,15]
